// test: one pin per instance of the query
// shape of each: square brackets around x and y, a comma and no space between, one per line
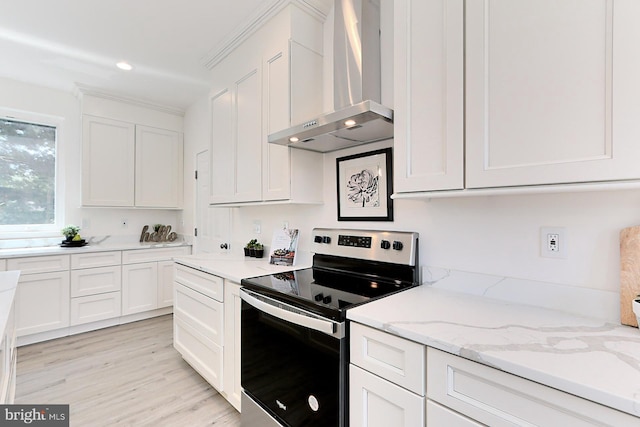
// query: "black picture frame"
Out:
[365,184]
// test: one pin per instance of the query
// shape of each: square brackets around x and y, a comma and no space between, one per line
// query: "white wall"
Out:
[65,106]
[498,235]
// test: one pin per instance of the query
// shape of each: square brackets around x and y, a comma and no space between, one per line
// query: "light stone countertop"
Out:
[102,247]
[587,357]
[235,267]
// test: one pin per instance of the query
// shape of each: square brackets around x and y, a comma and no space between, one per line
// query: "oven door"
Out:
[291,363]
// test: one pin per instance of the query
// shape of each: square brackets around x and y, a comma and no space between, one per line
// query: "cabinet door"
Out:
[108,161]
[428,101]
[158,168]
[291,96]
[374,402]
[248,138]
[222,161]
[547,101]
[165,284]
[231,388]
[276,166]
[42,302]
[139,287]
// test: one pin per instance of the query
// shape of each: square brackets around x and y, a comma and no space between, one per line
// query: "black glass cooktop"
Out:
[324,292]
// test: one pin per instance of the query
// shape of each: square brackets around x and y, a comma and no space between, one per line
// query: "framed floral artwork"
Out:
[365,186]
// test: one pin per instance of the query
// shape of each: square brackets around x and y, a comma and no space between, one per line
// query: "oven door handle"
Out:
[292,314]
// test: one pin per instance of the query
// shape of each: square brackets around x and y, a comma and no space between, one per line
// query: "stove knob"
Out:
[397,246]
[317,239]
[385,244]
[327,299]
[326,239]
[318,297]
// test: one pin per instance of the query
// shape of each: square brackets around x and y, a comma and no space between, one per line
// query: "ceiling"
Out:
[66,44]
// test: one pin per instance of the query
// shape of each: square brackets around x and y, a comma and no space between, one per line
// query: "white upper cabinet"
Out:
[131,156]
[159,162]
[547,99]
[273,80]
[550,93]
[428,91]
[108,162]
[236,129]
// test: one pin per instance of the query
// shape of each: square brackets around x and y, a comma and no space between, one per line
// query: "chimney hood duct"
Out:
[358,117]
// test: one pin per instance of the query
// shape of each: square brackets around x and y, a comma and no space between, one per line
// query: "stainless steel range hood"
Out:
[358,117]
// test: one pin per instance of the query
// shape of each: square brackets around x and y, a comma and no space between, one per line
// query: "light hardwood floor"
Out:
[127,375]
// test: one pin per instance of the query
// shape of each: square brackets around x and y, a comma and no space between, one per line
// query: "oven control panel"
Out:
[398,247]
[355,241]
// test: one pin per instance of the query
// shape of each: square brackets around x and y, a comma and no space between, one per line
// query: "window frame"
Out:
[40,230]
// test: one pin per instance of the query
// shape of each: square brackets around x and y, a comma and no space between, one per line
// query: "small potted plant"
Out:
[70,232]
[258,250]
[249,246]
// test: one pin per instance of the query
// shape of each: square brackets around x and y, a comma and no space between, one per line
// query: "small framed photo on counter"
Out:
[365,186]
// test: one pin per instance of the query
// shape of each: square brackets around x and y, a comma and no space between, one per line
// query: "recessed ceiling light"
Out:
[350,122]
[124,66]
[294,139]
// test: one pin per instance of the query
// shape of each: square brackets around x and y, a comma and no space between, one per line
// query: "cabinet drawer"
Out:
[203,355]
[159,254]
[39,264]
[94,281]
[202,313]
[375,402]
[207,284]
[396,359]
[438,415]
[95,259]
[92,308]
[496,398]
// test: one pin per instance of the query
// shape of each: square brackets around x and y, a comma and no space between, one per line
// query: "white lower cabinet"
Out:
[42,302]
[198,321]
[147,278]
[394,383]
[96,281]
[496,398]
[376,402]
[231,388]
[8,358]
[386,379]
[206,328]
[165,284]
[139,287]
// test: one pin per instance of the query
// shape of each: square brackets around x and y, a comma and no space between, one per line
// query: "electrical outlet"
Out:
[553,242]
[124,222]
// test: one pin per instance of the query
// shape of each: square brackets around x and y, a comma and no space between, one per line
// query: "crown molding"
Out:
[81,90]
[317,8]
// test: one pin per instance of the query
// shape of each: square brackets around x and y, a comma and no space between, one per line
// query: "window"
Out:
[27,175]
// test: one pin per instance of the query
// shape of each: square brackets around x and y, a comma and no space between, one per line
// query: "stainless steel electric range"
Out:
[294,357]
